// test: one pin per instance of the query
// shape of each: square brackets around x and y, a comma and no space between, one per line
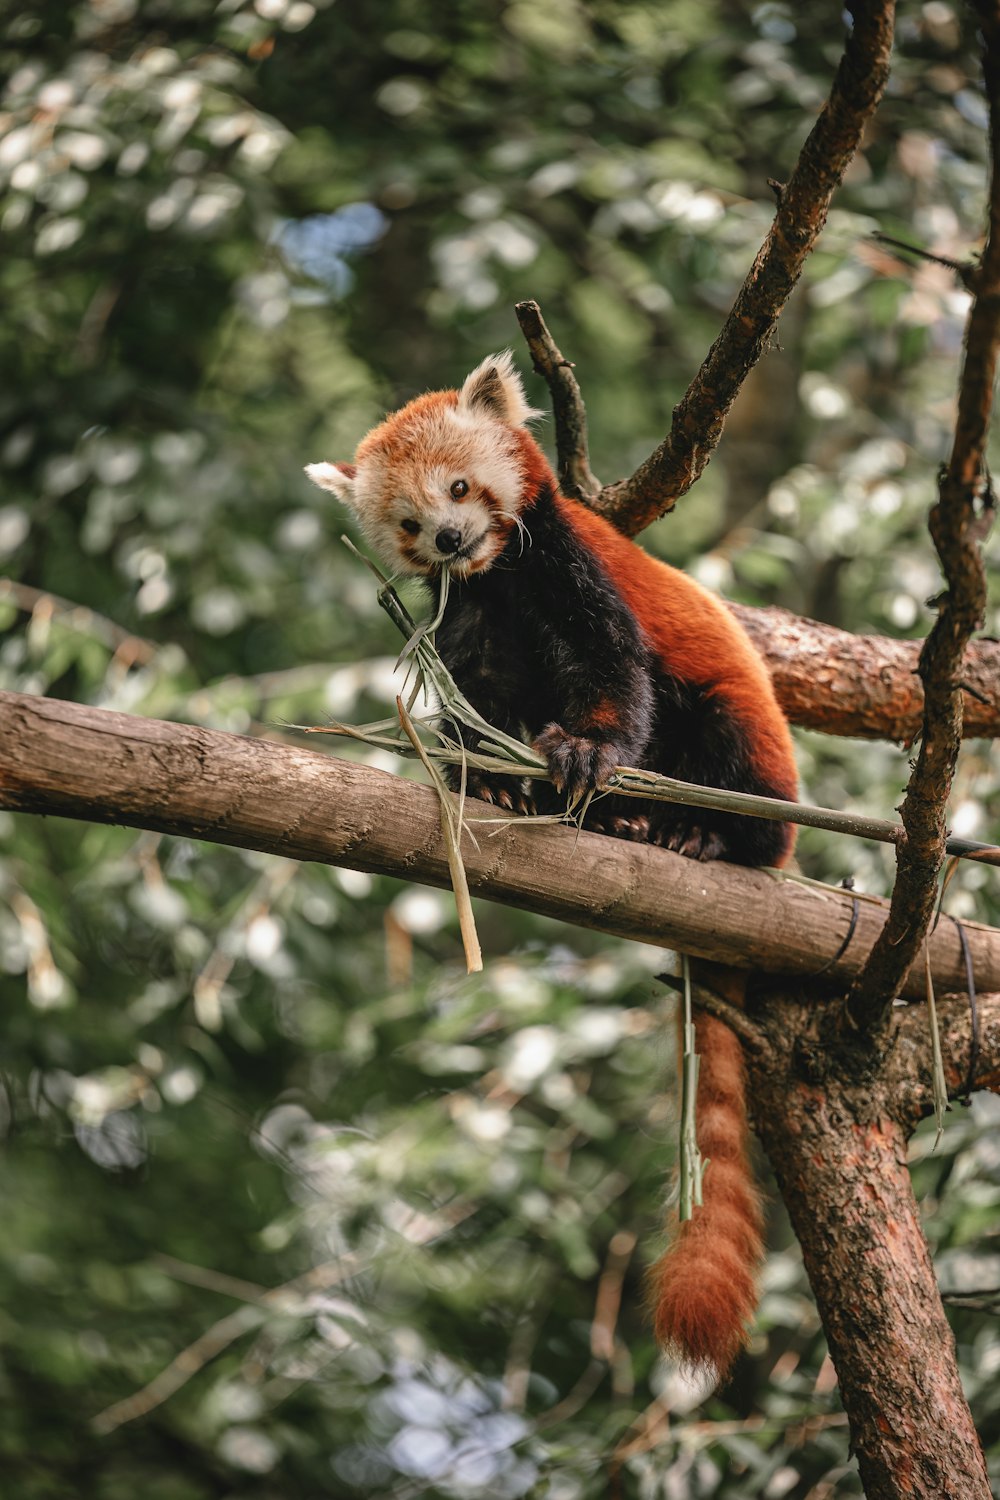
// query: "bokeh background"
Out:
[231,237]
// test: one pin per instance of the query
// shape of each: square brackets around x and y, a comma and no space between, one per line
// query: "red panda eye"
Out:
[412,527]
[459,489]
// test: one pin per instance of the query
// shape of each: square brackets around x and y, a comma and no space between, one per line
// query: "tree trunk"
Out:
[839,1153]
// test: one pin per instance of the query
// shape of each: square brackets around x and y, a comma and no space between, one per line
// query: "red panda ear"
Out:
[495,388]
[337,478]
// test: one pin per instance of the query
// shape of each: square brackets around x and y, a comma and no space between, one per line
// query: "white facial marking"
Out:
[407,466]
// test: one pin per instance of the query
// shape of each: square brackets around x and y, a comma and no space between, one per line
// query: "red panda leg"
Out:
[704,1288]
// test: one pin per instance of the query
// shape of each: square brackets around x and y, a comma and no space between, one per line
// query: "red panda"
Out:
[562,630]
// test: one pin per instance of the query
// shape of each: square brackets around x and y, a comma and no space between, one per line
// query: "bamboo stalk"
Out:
[692,1168]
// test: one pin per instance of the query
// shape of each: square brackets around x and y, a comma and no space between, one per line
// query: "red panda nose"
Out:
[448,540]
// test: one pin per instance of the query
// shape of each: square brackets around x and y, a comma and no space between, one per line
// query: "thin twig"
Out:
[209,1280]
[972,1304]
[966,271]
[984,1299]
[576,1397]
[749,1033]
[215,1339]
[80,617]
[607,1303]
[650,1428]
[293,1296]
[653,787]
[714,1004]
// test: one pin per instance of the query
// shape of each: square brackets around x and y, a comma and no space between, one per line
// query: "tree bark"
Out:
[64,758]
[838,1148]
[863,685]
[959,521]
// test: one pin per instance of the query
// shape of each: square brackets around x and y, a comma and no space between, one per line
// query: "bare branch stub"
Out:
[568,410]
[699,416]
[957,524]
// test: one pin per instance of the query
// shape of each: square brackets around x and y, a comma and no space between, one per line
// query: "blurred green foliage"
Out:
[233,235]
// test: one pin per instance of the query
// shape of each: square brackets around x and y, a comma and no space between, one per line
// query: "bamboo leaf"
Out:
[451,827]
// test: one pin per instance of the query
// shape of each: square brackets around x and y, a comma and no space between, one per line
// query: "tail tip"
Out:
[701,1320]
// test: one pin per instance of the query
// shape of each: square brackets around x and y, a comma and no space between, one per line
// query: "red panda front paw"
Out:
[576,764]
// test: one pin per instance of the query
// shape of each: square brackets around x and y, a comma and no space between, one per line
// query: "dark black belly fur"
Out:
[543,638]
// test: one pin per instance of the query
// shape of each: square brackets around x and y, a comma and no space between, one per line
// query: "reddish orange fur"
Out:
[603,715]
[535,469]
[704,1287]
[693,634]
[406,430]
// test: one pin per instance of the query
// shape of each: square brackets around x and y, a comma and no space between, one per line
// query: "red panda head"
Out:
[441,483]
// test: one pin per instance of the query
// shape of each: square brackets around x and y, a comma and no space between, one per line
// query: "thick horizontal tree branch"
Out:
[863,685]
[804,202]
[64,758]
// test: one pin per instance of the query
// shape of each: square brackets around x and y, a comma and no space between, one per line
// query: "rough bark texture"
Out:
[58,757]
[908,1068]
[805,201]
[863,685]
[838,1149]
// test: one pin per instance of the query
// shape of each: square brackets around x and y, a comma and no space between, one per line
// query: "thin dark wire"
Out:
[855,909]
